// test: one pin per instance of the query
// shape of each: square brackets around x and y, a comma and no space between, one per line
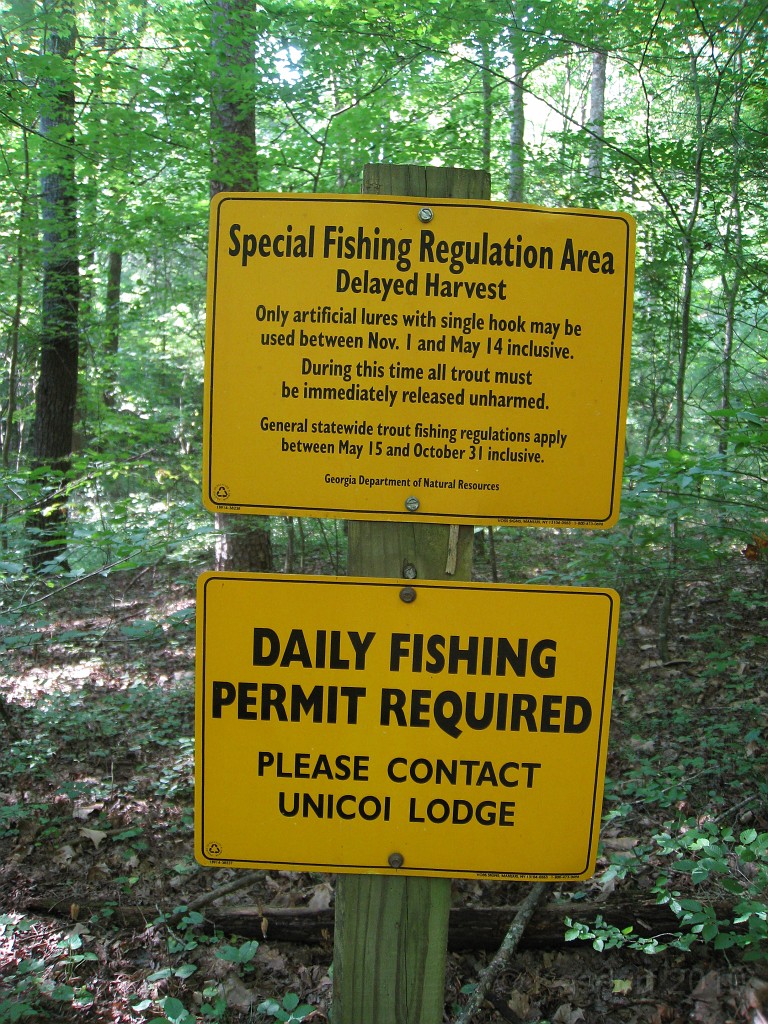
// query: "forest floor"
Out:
[96,817]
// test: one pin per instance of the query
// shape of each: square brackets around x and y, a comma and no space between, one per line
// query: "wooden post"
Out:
[391,932]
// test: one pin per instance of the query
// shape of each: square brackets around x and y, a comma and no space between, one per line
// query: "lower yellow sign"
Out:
[354,725]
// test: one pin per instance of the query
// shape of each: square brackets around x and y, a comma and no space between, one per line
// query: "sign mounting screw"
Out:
[408,595]
[395,860]
[426,214]
[412,503]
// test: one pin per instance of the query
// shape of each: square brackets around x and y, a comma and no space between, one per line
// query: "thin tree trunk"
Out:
[485,56]
[517,118]
[686,306]
[517,128]
[18,306]
[732,284]
[597,114]
[15,332]
[112,324]
[59,348]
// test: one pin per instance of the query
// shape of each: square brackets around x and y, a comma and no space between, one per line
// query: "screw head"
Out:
[395,860]
[410,571]
[412,503]
[408,595]
[426,214]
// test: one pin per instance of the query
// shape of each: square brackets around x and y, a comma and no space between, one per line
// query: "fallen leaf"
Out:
[272,959]
[566,1014]
[238,997]
[520,1004]
[706,1000]
[619,843]
[94,834]
[621,986]
[321,897]
[84,811]
[757,999]
[663,1014]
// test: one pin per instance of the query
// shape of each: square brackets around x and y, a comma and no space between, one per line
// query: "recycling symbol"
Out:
[222,492]
[214,849]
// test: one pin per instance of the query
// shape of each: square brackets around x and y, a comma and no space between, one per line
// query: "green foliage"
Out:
[34,982]
[713,858]
[184,937]
[699,856]
[242,955]
[290,1010]
[605,937]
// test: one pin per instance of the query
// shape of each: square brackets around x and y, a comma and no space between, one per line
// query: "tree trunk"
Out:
[733,266]
[59,346]
[112,325]
[244,543]
[686,308]
[486,56]
[18,308]
[517,124]
[597,114]
[234,166]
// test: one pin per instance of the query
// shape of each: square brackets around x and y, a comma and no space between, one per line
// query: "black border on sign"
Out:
[388,513]
[456,872]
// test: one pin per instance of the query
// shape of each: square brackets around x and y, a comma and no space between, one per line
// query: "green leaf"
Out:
[160,975]
[175,1011]
[12,1010]
[63,993]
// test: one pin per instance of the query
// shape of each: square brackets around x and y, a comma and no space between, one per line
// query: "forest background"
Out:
[117,121]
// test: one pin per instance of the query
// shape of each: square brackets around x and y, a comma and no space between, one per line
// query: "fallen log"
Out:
[469,927]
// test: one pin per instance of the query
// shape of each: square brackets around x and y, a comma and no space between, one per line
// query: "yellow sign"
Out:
[452,730]
[467,358]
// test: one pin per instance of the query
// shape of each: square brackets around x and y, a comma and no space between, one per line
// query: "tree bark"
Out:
[234,167]
[486,56]
[517,124]
[468,927]
[15,332]
[732,271]
[244,543]
[59,346]
[597,114]
[112,324]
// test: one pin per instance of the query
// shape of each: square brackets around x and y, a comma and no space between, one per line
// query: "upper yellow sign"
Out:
[340,727]
[389,358]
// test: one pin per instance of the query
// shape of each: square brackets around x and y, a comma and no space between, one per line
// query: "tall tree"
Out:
[59,331]
[242,542]
[517,110]
[597,113]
